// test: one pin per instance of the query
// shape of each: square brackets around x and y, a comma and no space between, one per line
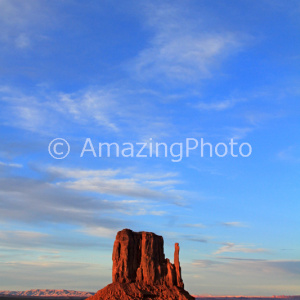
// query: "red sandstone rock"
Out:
[179,281]
[141,271]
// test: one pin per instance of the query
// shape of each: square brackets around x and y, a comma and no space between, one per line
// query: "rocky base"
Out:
[135,291]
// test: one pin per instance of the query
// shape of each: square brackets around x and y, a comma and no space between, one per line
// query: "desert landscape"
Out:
[139,271]
[149,149]
[66,295]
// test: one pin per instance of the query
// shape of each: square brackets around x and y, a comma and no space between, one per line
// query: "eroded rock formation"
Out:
[141,271]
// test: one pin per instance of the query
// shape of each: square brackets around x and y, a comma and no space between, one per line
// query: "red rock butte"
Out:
[141,271]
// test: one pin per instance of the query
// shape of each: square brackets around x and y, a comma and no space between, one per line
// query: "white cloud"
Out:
[81,173]
[21,235]
[239,265]
[98,106]
[155,176]
[218,106]
[234,224]
[233,248]
[158,183]
[117,182]
[289,154]
[22,20]
[237,133]
[184,58]
[41,113]
[112,110]
[56,200]
[99,231]
[26,112]
[197,225]
[115,186]
[22,41]
[179,50]
[140,208]
[21,240]
[12,165]
[17,13]
[204,263]
[266,277]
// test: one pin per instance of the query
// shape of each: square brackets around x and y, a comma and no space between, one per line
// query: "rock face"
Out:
[179,281]
[141,271]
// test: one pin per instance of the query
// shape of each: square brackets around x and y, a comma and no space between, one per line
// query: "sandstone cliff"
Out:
[141,271]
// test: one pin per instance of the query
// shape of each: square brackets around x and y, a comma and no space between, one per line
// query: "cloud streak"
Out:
[233,248]
[112,182]
[11,165]
[181,52]
[234,224]
[115,110]
[218,106]
[65,198]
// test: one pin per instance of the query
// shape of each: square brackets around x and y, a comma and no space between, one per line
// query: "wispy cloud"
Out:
[183,236]
[50,204]
[238,133]
[265,277]
[218,106]
[20,22]
[179,51]
[118,187]
[196,225]
[112,182]
[238,265]
[204,263]
[21,238]
[60,172]
[23,243]
[30,112]
[22,41]
[12,165]
[31,241]
[233,248]
[268,266]
[289,154]
[56,199]
[114,110]
[234,224]
[98,106]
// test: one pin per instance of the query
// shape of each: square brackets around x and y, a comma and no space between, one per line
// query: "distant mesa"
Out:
[141,271]
[47,293]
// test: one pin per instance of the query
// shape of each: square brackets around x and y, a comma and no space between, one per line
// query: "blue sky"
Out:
[128,72]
